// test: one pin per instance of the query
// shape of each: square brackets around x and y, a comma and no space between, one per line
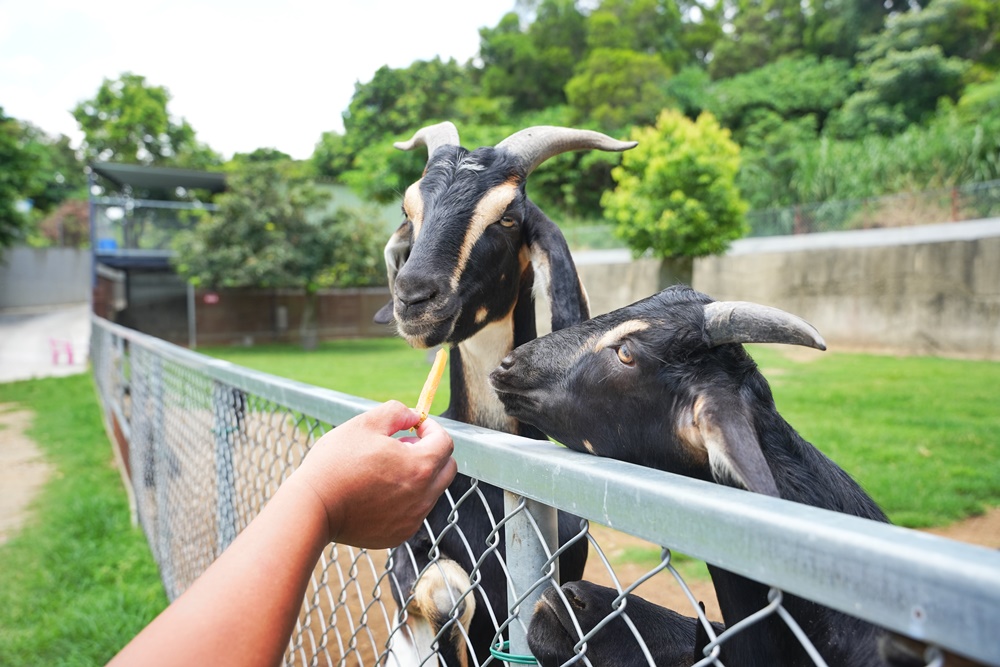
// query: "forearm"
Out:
[242,610]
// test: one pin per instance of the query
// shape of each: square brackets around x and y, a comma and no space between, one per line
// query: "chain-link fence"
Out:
[206,443]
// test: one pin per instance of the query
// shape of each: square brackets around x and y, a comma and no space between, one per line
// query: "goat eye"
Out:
[508,221]
[625,355]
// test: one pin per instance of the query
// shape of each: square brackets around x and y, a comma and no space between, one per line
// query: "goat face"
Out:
[674,641]
[655,383]
[469,209]
[472,240]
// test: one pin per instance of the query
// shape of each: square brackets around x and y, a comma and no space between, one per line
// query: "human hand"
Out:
[375,489]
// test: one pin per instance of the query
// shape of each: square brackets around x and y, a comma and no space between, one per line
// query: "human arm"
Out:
[357,486]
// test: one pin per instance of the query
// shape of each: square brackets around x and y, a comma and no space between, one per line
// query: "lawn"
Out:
[78,582]
[921,434]
[377,368]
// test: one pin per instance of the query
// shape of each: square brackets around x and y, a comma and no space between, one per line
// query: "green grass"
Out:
[78,582]
[920,434]
[377,368]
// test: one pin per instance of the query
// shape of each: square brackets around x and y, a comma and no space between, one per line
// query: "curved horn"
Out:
[432,136]
[535,145]
[745,322]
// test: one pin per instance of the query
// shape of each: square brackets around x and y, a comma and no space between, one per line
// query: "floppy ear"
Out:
[725,432]
[554,270]
[396,252]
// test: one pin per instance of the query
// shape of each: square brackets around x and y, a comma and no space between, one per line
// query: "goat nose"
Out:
[507,362]
[415,290]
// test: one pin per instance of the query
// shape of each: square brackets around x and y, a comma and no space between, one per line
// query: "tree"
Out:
[791,87]
[619,87]
[899,89]
[275,230]
[761,31]
[128,121]
[676,193]
[16,175]
[531,67]
[397,101]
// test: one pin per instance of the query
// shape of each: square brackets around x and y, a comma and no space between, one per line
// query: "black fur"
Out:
[635,413]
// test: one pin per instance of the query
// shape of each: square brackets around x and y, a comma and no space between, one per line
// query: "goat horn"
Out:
[535,145]
[745,322]
[432,136]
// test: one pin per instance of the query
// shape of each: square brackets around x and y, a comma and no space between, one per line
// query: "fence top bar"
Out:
[930,588]
[324,404]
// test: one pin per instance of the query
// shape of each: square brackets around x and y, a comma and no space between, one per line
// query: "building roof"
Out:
[160,178]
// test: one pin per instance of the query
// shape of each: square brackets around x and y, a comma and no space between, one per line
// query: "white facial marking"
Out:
[489,209]
[615,336]
[413,204]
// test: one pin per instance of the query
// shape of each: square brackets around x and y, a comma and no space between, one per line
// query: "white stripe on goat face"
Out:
[413,207]
[489,209]
[615,335]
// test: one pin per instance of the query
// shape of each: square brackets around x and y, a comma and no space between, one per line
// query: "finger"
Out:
[436,442]
[391,417]
[428,427]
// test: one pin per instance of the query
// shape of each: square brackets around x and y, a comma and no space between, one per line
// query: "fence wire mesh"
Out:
[206,444]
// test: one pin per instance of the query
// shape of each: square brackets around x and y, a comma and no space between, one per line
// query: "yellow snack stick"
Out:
[431,385]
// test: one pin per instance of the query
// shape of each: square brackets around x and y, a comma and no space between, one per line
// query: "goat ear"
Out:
[554,270]
[734,453]
[396,252]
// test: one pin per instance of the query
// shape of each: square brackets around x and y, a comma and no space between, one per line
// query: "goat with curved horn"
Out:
[464,268]
[746,322]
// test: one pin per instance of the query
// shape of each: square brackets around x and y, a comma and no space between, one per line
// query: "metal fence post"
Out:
[526,557]
[225,430]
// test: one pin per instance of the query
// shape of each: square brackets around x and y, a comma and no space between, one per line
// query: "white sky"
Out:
[245,74]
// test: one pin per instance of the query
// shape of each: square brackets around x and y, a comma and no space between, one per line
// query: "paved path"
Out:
[25,335]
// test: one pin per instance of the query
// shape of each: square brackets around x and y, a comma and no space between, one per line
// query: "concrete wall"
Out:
[932,289]
[43,276]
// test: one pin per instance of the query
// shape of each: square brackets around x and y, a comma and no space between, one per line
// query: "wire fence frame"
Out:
[206,443]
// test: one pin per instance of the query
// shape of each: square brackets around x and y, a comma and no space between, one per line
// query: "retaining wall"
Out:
[932,289]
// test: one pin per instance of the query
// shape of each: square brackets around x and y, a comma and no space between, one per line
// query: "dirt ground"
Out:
[23,471]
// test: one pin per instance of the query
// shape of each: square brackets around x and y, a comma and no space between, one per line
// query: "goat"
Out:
[665,383]
[673,640]
[462,268]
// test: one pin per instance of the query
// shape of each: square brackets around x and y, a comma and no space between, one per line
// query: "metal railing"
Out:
[206,443]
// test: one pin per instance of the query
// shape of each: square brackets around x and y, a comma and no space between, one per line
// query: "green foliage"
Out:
[78,582]
[676,192]
[791,87]
[899,89]
[762,31]
[128,121]
[272,229]
[546,53]
[15,178]
[619,87]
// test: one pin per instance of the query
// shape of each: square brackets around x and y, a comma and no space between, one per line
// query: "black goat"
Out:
[665,383]
[462,268]
[673,640]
